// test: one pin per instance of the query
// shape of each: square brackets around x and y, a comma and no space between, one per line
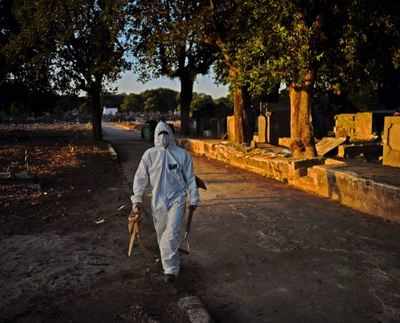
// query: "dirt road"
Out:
[264,252]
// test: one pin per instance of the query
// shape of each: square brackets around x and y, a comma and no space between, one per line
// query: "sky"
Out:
[203,84]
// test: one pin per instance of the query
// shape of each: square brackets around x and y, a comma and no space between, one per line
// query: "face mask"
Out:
[164,140]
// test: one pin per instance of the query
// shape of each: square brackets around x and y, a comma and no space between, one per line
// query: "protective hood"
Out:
[162,126]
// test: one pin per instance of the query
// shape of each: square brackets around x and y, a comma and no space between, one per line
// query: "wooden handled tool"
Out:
[134,230]
[187,232]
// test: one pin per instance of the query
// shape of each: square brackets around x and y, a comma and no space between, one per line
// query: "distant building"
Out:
[110,111]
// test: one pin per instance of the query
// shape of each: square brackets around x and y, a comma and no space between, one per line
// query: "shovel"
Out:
[200,184]
[187,233]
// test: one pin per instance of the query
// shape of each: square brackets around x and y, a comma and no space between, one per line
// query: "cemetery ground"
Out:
[63,235]
[261,251]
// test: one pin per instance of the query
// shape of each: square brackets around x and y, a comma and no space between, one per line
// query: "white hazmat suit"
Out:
[168,169]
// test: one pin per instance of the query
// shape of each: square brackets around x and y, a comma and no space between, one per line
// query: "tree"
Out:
[8,26]
[286,48]
[223,106]
[225,26]
[160,100]
[202,102]
[167,42]
[112,99]
[24,81]
[133,102]
[307,44]
[66,103]
[80,43]
[376,41]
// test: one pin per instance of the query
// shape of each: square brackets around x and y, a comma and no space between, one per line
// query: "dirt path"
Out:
[264,252]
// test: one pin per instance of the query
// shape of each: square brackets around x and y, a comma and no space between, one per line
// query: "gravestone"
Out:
[327,144]
[262,129]
[391,142]
[362,126]
[232,126]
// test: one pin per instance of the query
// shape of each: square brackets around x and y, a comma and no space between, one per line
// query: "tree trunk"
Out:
[301,132]
[248,116]
[239,104]
[238,113]
[295,144]
[305,119]
[95,105]
[239,107]
[185,97]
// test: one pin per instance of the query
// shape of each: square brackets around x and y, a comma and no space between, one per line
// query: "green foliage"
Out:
[166,39]
[19,70]
[161,100]
[202,102]
[110,99]
[8,26]
[84,108]
[168,42]
[77,45]
[223,106]
[333,43]
[205,105]
[33,100]
[68,102]
[132,102]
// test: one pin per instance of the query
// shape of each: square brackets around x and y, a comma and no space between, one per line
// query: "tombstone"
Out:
[391,142]
[362,126]
[262,129]
[328,144]
[345,125]
[231,123]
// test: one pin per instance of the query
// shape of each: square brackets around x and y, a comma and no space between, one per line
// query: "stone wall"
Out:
[277,168]
[350,189]
[391,142]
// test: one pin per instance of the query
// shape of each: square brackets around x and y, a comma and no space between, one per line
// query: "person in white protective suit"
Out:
[168,169]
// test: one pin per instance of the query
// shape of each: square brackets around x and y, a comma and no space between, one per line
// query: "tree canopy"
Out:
[256,46]
[78,46]
[306,44]
[166,42]
[132,103]
[162,100]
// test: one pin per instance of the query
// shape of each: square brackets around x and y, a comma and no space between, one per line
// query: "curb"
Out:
[194,309]
[112,151]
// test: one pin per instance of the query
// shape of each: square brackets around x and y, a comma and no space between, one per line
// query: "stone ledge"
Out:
[350,189]
[277,168]
[327,178]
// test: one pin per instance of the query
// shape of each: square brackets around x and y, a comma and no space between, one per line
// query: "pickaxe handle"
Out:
[133,238]
[187,232]
[189,222]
